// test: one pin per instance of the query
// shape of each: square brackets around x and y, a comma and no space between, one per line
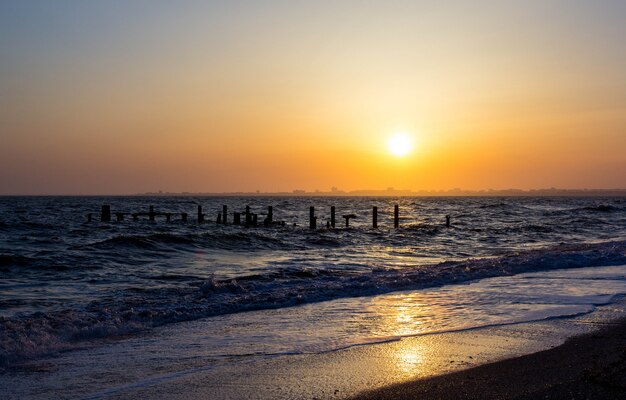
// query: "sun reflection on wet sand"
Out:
[411,359]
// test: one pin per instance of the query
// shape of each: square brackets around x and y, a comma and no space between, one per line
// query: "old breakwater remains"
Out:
[251,219]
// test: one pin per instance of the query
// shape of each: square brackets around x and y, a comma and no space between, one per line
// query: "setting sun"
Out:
[400,144]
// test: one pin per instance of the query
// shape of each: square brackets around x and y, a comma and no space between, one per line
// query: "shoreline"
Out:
[182,367]
[589,366]
[391,370]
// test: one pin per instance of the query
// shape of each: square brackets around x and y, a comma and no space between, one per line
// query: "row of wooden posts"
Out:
[251,219]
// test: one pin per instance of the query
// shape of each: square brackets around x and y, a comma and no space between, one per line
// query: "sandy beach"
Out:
[527,360]
[590,366]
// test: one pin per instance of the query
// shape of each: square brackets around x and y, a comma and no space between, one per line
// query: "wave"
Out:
[494,205]
[9,260]
[209,240]
[601,208]
[593,209]
[138,309]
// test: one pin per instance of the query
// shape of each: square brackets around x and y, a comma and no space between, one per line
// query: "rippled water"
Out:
[63,279]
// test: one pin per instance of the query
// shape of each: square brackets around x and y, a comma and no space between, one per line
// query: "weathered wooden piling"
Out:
[237,218]
[183,216]
[255,219]
[105,213]
[332,216]
[224,214]
[270,216]
[219,218]
[312,218]
[151,214]
[200,215]
[447,221]
[248,216]
[396,216]
[375,217]
[89,217]
[347,218]
[119,217]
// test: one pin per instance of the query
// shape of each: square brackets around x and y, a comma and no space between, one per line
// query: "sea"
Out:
[67,283]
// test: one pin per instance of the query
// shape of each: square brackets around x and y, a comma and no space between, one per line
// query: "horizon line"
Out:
[389,192]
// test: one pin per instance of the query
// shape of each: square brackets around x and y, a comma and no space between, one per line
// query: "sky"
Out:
[122,97]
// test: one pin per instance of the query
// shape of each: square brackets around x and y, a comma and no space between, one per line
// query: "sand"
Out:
[429,367]
[464,364]
[591,366]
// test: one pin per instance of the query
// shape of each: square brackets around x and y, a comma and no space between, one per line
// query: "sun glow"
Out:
[400,144]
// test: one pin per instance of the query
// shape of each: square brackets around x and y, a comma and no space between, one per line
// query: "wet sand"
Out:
[448,365]
[591,366]
[454,365]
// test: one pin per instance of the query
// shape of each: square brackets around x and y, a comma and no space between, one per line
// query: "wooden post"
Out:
[105,214]
[375,217]
[151,213]
[219,218]
[237,218]
[168,217]
[312,219]
[347,217]
[119,216]
[332,216]
[183,216]
[248,216]
[447,221]
[270,216]
[255,219]
[200,215]
[396,216]
[224,214]
[89,218]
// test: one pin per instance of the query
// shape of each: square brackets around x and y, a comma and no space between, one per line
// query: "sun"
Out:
[400,144]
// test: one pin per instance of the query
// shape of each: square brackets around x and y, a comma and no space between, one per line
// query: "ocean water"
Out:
[65,282]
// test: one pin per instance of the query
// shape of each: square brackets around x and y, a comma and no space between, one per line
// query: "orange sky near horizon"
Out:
[275,96]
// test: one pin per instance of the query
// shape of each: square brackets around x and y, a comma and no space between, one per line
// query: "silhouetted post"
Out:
[375,217]
[183,216]
[332,216]
[105,213]
[248,216]
[119,216]
[347,217]
[312,219]
[396,216]
[200,215]
[224,214]
[168,217]
[151,213]
[327,224]
[237,218]
[270,216]
[219,218]
[255,219]
[447,221]
[89,218]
